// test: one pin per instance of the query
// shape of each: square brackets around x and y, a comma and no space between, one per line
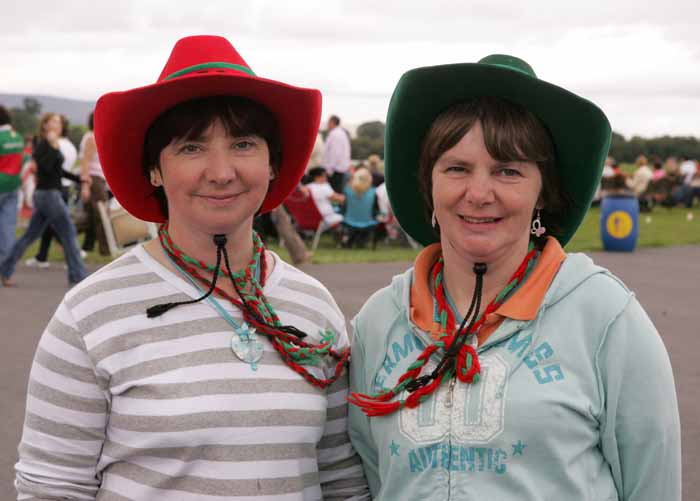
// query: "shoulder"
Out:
[321,189]
[591,290]
[66,144]
[88,138]
[384,307]
[314,188]
[127,279]
[303,297]
[296,281]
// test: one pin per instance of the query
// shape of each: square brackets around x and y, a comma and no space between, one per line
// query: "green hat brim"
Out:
[579,130]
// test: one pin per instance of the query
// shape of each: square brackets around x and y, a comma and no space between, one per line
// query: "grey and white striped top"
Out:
[121,406]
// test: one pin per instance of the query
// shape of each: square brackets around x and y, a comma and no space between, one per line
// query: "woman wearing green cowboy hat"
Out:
[199,366]
[499,366]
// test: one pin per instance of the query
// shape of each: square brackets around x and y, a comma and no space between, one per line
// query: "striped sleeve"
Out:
[65,419]
[340,468]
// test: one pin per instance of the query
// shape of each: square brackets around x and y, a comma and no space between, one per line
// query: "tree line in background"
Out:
[369,138]
[663,147]
[25,120]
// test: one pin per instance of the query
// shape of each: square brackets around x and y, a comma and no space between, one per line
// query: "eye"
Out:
[189,148]
[509,172]
[455,168]
[244,144]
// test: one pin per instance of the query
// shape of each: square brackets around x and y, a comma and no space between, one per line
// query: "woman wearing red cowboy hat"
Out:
[198,366]
[499,366]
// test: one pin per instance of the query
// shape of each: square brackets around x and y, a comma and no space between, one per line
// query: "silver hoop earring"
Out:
[537,228]
[434,220]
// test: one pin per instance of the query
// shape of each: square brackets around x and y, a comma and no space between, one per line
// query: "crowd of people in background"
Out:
[668,183]
[46,173]
[349,195]
[62,186]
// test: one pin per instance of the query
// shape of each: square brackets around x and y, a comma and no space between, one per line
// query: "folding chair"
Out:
[303,209]
[122,229]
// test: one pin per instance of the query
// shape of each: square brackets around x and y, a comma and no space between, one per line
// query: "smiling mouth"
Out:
[220,197]
[480,220]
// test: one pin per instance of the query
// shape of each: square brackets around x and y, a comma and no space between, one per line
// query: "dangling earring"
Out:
[434,219]
[537,228]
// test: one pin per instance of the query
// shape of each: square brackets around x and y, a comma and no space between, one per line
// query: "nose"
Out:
[479,191]
[221,168]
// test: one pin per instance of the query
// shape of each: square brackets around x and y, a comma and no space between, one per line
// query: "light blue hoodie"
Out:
[578,404]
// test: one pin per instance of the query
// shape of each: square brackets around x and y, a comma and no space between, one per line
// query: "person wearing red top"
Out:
[11,154]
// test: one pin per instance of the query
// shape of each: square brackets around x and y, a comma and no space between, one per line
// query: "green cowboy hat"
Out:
[579,131]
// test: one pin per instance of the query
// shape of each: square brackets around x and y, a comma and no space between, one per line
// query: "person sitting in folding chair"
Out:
[361,209]
[324,196]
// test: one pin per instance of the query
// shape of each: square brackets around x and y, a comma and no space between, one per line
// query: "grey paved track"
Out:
[666,281]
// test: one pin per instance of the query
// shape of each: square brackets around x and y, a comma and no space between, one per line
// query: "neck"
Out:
[460,278]
[200,245]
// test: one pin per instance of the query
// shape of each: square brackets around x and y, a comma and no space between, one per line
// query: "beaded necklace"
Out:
[459,358]
[257,310]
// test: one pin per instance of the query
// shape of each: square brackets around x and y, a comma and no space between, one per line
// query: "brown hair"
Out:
[511,133]
[65,125]
[188,120]
[45,118]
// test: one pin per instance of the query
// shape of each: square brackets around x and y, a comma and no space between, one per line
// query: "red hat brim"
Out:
[123,118]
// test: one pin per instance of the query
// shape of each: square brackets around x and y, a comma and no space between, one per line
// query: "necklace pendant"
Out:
[246,346]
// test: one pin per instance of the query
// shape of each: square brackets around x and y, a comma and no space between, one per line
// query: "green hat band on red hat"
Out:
[206,66]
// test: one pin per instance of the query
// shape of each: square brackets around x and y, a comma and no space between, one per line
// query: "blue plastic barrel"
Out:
[619,223]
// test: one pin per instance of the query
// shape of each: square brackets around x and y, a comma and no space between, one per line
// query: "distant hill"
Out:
[76,110]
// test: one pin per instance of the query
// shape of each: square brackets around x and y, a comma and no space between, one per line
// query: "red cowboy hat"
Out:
[199,66]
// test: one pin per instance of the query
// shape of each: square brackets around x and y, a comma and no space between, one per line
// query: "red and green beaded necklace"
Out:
[459,358]
[257,310]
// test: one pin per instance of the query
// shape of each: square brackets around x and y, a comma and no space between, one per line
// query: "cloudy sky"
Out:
[637,59]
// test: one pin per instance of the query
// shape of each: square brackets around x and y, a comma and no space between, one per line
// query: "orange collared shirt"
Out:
[522,305]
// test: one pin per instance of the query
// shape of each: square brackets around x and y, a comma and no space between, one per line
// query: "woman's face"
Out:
[53,124]
[214,183]
[484,207]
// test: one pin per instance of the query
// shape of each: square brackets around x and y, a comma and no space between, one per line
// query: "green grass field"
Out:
[659,228]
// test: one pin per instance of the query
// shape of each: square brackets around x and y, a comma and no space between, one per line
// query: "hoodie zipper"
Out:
[450,392]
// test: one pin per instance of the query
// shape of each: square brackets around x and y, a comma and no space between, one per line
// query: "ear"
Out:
[272,174]
[156,178]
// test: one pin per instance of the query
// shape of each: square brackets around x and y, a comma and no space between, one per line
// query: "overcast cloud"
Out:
[639,60]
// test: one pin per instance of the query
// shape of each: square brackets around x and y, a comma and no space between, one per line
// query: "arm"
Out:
[337,198]
[340,469]
[359,427]
[640,426]
[88,154]
[69,175]
[66,415]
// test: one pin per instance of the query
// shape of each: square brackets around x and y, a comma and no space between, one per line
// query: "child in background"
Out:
[324,196]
